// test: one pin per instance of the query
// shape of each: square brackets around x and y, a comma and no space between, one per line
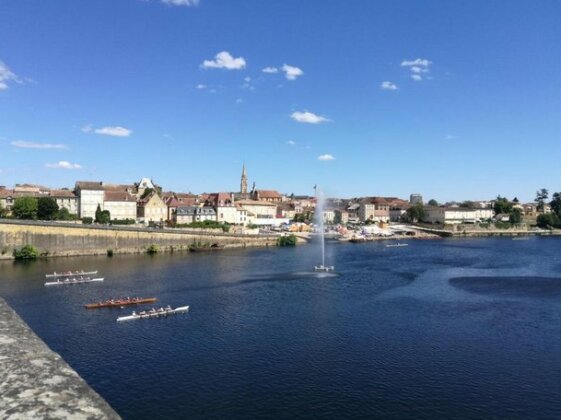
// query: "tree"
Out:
[98,213]
[64,214]
[556,203]
[541,196]
[102,216]
[146,193]
[3,211]
[515,200]
[26,252]
[468,204]
[47,208]
[416,212]
[502,205]
[548,221]
[25,208]
[433,203]
[515,217]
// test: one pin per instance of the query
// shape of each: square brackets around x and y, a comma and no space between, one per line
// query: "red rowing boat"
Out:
[120,302]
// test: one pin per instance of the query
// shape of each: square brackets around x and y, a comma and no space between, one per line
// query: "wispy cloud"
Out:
[186,3]
[200,86]
[450,137]
[63,164]
[88,128]
[326,157]
[271,70]
[308,117]
[114,131]
[33,145]
[224,60]
[7,76]
[417,67]
[388,86]
[291,72]
[291,142]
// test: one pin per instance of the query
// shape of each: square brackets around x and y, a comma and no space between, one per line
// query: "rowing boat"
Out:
[71,273]
[396,245]
[73,281]
[153,313]
[120,302]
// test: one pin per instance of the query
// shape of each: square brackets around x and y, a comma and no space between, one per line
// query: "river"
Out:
[455,328]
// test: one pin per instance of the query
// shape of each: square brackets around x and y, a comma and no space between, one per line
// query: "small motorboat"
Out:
[398,245]
[153,313]
[78,280]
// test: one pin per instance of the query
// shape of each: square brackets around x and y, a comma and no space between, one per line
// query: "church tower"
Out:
[243,184]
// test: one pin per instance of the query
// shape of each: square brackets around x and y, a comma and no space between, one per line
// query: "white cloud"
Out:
[291,72]
[247,79]
[32,145]
[200,86]
[7,76]
[63,164]
[418,62]
[326,157]
[308,117]
[115,131]
[224,60]
[416,77]
[291,142]
[186,3]
[270,70]
[388,86]
[87,128]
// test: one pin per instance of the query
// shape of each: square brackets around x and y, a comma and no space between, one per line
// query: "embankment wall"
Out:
[68,240]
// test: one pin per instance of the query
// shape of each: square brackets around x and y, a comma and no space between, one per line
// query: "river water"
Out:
[439,329]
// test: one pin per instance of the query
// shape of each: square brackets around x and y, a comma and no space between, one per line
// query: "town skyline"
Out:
[362,99]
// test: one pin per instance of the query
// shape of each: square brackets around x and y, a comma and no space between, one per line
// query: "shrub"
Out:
[548,220]
[123,222]
[153,249]
[26,252]
[289,240]
[109,252]
[87,220]
[25,208]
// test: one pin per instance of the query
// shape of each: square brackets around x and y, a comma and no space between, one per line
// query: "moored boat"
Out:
[154,313]
[78,280]
[112,303]
[71,273]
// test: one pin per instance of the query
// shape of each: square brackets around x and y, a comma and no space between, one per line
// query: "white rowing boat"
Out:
[73,281]
[396,245]
[71,273]
[153,313]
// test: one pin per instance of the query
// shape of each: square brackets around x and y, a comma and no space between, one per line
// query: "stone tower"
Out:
[243,183]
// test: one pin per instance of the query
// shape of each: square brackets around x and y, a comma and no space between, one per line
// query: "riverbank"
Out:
[36,382]
[56,240]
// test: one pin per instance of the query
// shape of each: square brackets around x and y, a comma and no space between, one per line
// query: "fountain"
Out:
[318,216]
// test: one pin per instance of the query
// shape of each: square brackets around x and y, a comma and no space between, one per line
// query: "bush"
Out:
[153,249]
[289,240]
[547,221]
[26,252]
[206,224]
[123,222]
[109,252]
[87,220]
[25,208]
[47,208]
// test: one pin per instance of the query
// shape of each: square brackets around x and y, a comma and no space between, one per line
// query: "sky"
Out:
[451,99]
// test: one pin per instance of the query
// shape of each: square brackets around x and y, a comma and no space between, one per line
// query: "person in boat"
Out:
[133,313]
[168,308]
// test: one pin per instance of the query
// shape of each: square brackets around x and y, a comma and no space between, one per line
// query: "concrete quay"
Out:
[36,383]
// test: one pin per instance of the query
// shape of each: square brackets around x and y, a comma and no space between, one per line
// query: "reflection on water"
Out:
[439,329]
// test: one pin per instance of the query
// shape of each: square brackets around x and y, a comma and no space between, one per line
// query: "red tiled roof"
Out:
[118,196]
[269,194]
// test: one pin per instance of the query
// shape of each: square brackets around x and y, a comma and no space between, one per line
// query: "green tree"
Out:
[515,216]
[25,208]
[3,211]
[64,214]
[502,205]
[102,216]
[547,221]
[468,204]
[556,203]
[433,203]
[26,252]
[515,200]
[416,212]
[289,240]
[146,193]
[47,208]
[541,196]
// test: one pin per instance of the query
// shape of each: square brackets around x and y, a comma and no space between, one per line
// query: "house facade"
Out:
[121,205]
[90,195]
[152,209]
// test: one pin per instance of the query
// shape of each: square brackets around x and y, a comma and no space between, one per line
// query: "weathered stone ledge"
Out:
[36,383]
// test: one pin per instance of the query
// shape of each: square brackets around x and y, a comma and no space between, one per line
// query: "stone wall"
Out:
[58,240]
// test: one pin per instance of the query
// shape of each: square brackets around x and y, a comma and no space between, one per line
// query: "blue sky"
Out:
[453,99]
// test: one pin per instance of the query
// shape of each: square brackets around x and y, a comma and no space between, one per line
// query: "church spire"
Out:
[243,183]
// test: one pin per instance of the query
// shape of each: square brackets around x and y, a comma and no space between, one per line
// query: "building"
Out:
[374,209]
[90,195]
[342,216]
[415,198]
[120,204]
[456,215]
[152,208]
[243,182]
[190,214]
[66,199]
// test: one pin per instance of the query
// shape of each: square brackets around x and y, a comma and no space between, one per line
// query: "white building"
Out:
[121,205]
[456,215]
[65,199]
[90,195]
